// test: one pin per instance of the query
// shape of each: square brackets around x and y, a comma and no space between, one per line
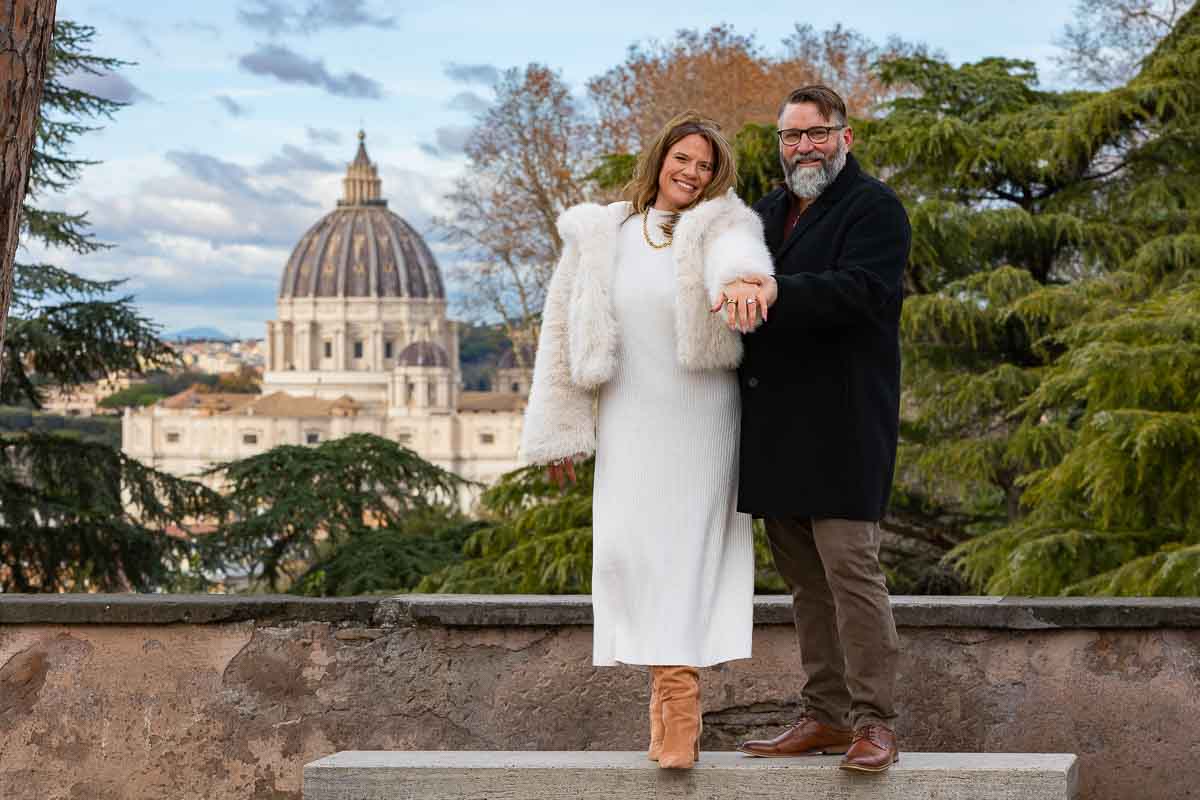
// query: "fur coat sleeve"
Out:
[715,243]
[739,250]
[560,417]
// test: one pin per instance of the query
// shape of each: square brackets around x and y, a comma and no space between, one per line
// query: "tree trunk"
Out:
[25,28]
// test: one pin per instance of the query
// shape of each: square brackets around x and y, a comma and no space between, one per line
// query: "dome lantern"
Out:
[362,186]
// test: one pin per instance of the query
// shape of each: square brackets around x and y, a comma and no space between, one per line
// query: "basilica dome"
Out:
[361,249]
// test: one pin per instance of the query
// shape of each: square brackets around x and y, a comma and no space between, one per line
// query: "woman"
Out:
[632,365]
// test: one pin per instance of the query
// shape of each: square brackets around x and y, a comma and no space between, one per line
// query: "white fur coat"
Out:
[714,243]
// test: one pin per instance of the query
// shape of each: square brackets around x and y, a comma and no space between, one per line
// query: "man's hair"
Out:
[827,101]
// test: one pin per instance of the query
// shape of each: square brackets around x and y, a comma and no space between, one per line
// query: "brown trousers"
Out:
[848,642]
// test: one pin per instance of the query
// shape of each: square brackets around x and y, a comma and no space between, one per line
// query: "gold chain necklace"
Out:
[646,232]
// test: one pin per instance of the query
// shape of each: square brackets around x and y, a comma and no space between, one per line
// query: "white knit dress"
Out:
[673,561]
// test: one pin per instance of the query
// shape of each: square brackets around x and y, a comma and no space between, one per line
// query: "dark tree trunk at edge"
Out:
[25,28]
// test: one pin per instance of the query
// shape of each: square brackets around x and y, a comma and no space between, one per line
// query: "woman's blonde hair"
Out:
[642,189]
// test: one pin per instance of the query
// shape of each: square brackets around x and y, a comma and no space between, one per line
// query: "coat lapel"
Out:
[827,200]
[774,217]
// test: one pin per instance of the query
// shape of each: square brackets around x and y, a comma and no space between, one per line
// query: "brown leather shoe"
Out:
[873,750]
[807,737]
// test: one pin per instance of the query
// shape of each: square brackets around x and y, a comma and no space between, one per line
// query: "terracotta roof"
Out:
[490,401]
[216,402]
[282,404]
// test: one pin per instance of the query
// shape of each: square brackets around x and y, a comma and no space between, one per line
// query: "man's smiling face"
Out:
[808,166]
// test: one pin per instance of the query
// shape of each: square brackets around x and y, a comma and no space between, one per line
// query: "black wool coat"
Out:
[821,378]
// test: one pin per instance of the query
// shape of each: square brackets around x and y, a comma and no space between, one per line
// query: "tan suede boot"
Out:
[656,718]
[680,691]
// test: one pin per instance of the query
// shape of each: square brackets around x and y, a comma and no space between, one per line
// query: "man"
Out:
[820,416]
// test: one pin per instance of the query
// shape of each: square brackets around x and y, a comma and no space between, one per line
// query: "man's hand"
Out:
[746,300]
[561,472]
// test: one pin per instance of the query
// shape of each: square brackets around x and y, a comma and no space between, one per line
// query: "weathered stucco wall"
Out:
[209,697]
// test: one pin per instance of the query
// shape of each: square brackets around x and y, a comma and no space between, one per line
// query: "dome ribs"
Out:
[361,249]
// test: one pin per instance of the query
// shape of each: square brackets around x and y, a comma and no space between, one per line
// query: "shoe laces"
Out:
[872,733]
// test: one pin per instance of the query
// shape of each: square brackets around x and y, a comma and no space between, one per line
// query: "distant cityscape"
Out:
[206,356]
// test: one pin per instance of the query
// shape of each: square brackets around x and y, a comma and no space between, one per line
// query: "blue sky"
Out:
[243,114]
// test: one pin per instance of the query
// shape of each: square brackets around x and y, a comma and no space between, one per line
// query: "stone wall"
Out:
[140,697]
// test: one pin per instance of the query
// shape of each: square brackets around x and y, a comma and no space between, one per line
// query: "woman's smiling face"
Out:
[686,172]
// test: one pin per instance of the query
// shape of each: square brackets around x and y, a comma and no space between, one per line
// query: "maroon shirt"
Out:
[793,216]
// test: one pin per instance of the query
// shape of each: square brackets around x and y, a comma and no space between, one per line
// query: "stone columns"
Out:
[444,392]
[288,360]
[279,361]
[271,345]
[301,345]
[376,348]
[339,349]
[421,390]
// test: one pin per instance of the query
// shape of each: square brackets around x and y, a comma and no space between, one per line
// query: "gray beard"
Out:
[808,183]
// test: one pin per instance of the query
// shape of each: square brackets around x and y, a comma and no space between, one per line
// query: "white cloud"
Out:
[203,239]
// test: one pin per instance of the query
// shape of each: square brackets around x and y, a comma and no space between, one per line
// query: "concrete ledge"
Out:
[1014,613]
[592,775]
[164,609]
[449,610]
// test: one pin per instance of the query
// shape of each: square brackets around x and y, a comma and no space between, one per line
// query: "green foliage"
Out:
[292,505]
[138,394]
[1108,481]
[1051,408]
[480,347]
[1172,571]
[96,429]
[174,382]
[537,538]
[614,170]
[67,330]
[389,560]
[245,380]
[759,170]
[80,516]
[76,514]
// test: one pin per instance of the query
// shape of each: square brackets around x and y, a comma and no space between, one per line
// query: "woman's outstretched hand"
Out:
[746,301]
[561,472]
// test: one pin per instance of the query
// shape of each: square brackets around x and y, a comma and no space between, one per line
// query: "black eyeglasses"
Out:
[817,134]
